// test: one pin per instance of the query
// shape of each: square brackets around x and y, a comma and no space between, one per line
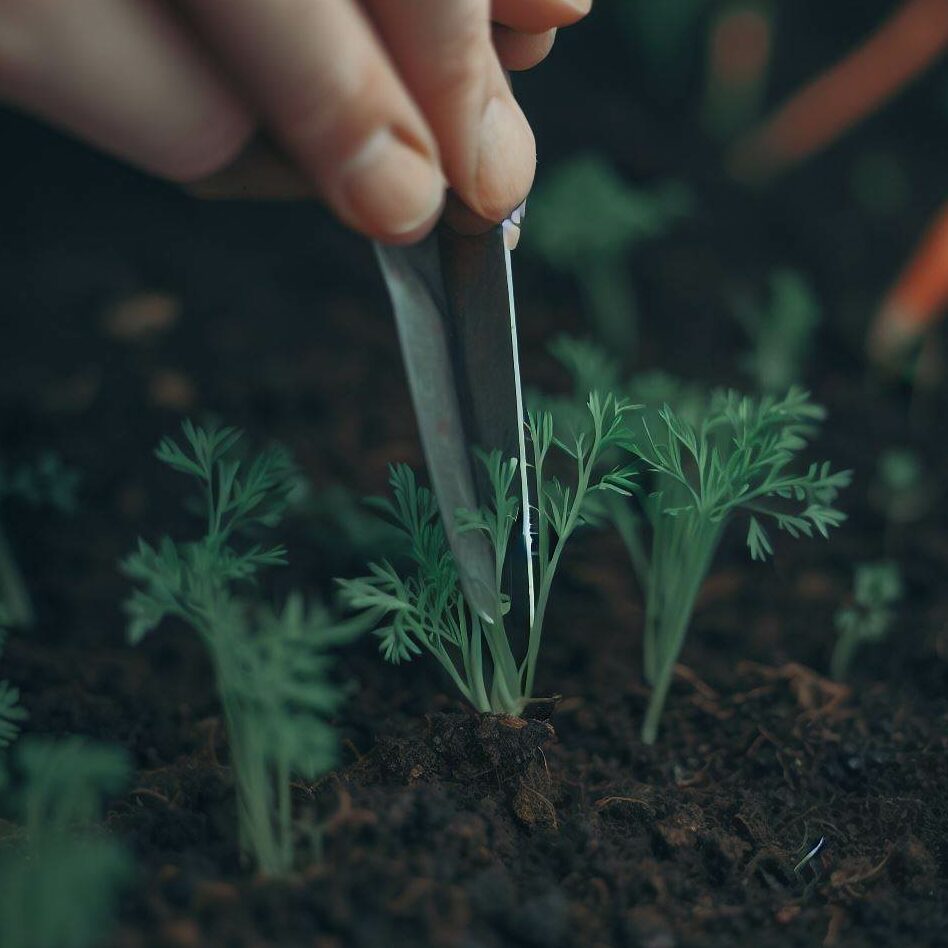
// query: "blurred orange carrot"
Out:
[919,297]
[909,41]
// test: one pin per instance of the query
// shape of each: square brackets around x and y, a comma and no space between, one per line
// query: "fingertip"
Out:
[518,51]
[506,160]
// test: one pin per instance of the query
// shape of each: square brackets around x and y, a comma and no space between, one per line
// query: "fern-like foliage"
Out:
[593,368]
[60,878]
[738,463]
[704,463]
[271,666]
[421,607]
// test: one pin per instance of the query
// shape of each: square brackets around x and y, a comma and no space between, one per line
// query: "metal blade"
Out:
[479,283]
[453,303]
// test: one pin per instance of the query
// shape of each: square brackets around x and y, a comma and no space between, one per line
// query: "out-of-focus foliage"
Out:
[60,877]
[877,588]
[49,482]
[585,220]
[902,489]
[781,331]
[272,666]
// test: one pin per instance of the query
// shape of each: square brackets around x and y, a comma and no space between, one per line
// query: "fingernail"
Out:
[507,150]
[389,188]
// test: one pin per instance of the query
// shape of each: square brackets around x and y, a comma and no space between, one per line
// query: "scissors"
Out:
[454,309]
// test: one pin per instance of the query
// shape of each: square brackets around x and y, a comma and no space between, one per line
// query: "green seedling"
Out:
[271,666]
[422,607]
[60,878]
[736,463]
[586,221]
[711,461]
[781,332]
[47,482]
[877,589]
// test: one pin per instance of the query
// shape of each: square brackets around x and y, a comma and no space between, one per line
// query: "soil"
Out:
[777,806]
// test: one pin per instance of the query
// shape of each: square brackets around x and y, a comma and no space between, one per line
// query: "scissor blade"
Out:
[416,286]
[454,312]
[479,285]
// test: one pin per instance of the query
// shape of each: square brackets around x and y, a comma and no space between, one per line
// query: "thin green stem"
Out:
[684,548]
[548,569]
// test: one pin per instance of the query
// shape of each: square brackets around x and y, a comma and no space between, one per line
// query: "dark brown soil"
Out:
[441,827]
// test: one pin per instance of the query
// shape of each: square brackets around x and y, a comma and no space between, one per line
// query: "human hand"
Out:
[377,104]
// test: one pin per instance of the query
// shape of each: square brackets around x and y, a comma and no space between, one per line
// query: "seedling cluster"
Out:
[676,479]
[425,608]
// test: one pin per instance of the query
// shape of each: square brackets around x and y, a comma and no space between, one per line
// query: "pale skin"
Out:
[380,108]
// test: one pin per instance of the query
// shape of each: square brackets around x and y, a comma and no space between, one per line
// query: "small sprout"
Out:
[271,666]
[420,606]
[877,589]
[585,221]
[61,877]
[781,332]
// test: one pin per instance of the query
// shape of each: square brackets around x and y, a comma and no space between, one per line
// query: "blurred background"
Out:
[657,223]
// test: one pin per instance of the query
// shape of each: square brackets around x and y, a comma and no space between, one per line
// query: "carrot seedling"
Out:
[735,463]
[271,666]
[586,221]
[60,878]
[877,589]
[420,606]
